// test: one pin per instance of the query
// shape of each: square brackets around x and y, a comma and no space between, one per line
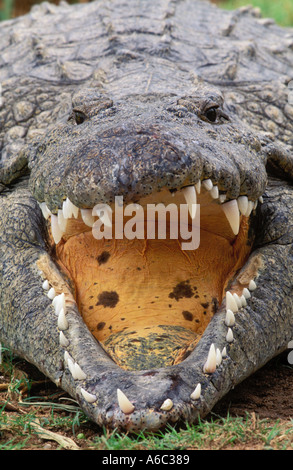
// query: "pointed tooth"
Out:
[224,352]
[207,184]
[237,300]
[222,198]
[242,202]
[218,357]
[62,321]
[246,293]
[46,285]
[198,186]
[66,357]
[64,342]
[191,200]
[51,293]
[260,199]
[62,222]
[211,362]
[231,211]
[78,372]
[243,301]
[56,231]
[252,285]
[255,204]
[231,302]
[214,192]
[230,318]
[125,405]
[229,336]
[59,303]
[45,211]
[86,215]
[196,392]
[89,397]
[69,209]
[167,405]
[249,209]
[70,365]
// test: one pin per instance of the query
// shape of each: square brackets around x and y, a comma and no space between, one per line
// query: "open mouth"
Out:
[148,301]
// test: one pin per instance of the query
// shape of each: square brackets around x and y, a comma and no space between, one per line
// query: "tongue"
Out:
[151,347]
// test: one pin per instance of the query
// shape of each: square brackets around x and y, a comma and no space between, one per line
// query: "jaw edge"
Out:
[149,399]
[47,330]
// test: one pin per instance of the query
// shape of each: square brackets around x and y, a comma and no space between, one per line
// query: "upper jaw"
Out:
[232,209]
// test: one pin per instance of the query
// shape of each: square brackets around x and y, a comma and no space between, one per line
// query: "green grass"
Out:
[6,10]
[280,10]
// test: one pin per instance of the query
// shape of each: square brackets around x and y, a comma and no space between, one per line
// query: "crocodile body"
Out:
[146,101]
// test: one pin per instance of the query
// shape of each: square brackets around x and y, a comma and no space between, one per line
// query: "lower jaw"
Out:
[146,301]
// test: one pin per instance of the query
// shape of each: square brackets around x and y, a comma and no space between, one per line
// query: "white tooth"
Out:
[167,405]
[89,397]
[255,204]
[62,222]
[51,293]
[230,318]
[125,405]
[211,362]
[86,215]
[66,210]
[59,303]
[70,365]
[246,293]
[66,357]
[46,285]
[214,192]
[237,299]
[243,301]
[56,231]
[229,336]
[104,213]
[78,372]
[260,199]
[62,321]
[190,198]
[224,352]
[69,209]
[231,302]
[196,392]
[218,357]
[64,342]
[249,209]
[232,213]
[207,184]
[46,212]
[252,285]
[242,202]
[198,186]
[222,198]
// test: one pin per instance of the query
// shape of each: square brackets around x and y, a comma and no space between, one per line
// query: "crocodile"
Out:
[107,109]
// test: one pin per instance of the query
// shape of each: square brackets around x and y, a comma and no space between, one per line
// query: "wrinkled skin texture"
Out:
[144,77]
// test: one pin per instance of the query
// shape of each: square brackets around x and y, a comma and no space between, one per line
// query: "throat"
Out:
[149,296]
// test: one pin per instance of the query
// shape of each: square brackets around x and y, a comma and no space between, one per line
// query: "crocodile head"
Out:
[148,299]
[144,327]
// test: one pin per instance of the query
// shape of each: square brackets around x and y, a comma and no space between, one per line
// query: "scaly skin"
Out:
[143,79]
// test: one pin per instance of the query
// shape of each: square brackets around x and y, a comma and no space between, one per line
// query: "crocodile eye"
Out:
[79,117]
[211,114]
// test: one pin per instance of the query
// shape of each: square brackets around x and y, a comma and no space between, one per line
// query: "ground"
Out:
[257,414]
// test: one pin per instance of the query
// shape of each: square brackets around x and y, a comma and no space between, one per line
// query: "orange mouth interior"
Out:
[149,301]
